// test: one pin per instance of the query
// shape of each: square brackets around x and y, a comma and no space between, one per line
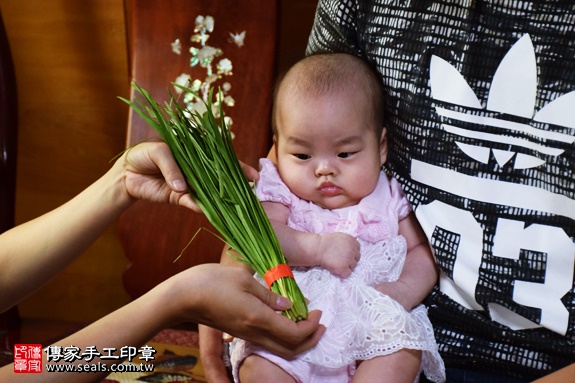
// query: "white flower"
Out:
[197,106]
[224,66]
[177,47]
[229,101]
[207,52]
[196,85]
[183,80]
[209,22]
[199,23]
[189,98]
[195,100]
[229,122]
[238,38]
[200,38]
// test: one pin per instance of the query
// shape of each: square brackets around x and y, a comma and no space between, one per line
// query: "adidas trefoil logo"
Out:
[512,93]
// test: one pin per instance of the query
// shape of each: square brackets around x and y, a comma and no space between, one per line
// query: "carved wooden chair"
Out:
[153,235]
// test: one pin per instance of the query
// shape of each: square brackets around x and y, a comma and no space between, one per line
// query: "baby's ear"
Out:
[383,146]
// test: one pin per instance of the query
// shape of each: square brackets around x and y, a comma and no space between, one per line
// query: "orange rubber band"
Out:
[280,271]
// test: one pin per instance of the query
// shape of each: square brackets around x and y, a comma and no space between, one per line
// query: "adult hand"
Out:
[231,300]
[223,297]
[151,173]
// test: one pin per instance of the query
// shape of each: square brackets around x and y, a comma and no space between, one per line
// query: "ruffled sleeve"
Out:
[402,205]
[270,187]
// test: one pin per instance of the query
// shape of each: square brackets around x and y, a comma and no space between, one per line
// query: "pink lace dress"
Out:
[361,322]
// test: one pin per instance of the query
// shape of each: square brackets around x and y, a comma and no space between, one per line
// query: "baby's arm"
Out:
[336,252]
[419,273]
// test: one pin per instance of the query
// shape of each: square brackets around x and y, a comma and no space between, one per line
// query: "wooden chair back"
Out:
[153,235]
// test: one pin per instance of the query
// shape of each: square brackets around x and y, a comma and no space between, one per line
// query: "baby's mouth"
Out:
[329,189]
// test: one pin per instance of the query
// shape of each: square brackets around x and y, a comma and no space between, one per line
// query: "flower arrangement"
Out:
[204,55]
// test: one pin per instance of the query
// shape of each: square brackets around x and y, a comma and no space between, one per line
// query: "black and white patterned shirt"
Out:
[481,116]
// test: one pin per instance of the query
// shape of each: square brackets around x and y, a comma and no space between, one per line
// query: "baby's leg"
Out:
[257,369]
[401,366]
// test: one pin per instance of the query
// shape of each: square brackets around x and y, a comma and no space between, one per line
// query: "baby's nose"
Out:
[324,168]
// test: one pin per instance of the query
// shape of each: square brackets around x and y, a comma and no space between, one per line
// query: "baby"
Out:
[346,229]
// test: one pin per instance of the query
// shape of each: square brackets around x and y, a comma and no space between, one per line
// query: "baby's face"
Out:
[328,151]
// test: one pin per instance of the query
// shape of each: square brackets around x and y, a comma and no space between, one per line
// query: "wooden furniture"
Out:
[10,320]
[152,235]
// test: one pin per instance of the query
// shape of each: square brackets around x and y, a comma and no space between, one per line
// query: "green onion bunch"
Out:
[203,149]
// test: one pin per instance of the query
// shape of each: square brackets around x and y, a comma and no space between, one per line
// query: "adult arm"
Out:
[46,245]
[226,298]
[565,374]
[211,339]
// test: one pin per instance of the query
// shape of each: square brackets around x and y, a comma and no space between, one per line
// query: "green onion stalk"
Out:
[203,149]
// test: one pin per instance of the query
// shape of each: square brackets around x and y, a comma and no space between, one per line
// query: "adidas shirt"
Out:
[481,114]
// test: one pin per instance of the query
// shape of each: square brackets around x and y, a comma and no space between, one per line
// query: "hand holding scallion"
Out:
[202,147]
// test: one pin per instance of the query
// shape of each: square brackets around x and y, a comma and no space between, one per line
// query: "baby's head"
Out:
[332,75]
[328,129]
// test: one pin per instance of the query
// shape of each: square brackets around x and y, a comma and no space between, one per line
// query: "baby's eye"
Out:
[300,156]
[345,154]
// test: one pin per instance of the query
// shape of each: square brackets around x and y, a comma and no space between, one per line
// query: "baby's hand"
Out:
[339,253]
